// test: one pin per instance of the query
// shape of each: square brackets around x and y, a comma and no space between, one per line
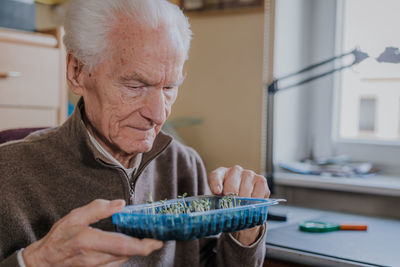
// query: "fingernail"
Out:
[158,245]
[218,189]
[117,203]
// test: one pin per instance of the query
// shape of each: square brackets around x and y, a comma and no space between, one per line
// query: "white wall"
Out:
[323,41]
[292,52]
[305,34]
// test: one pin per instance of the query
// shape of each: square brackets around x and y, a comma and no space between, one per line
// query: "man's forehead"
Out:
[133,30]
[133,37]
[153,78]
[140,53]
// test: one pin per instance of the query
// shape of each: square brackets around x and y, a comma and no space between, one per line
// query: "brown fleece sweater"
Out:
[51,172]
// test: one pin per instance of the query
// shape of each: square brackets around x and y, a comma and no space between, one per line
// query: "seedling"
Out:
[150,201]
[200,205]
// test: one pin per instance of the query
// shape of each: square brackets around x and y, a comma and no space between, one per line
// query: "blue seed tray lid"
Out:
[220,215]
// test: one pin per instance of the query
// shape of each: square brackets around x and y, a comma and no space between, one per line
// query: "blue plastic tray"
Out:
[139,220]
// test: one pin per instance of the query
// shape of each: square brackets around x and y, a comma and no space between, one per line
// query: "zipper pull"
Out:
[132,193]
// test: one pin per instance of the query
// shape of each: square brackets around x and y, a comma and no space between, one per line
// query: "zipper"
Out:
[132,182]
[144,164]
[131,185]
[132,194]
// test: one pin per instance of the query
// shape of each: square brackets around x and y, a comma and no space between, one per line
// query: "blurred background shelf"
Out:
[219,7]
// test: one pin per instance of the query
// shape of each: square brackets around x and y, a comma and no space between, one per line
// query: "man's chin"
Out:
[133,143]
[142,146]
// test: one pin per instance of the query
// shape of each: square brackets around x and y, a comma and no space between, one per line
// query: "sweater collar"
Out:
[76,129]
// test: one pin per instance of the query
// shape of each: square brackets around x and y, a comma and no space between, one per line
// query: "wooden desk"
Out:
[379,246]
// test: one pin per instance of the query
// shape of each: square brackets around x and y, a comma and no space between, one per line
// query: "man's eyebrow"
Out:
[134,77]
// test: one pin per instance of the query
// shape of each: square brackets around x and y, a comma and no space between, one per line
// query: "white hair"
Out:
[88,23]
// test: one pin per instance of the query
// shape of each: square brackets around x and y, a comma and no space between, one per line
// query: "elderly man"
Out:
[60,186]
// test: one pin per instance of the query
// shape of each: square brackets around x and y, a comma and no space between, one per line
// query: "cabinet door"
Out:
[38,83]
[23,117]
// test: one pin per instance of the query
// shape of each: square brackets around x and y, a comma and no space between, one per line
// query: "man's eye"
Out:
[169,87]
[135,90]
[135,87]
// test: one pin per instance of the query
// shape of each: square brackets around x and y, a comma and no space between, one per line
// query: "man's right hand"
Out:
[71,242]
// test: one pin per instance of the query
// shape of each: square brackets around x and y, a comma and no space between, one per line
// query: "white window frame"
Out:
[383,154]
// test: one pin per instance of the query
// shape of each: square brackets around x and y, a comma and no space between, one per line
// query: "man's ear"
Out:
[74,74]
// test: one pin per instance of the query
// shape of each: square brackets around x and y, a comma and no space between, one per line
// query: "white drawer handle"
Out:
[5,75]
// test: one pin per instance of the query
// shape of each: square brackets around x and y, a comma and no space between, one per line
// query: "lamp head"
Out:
[390,55]
[359,56]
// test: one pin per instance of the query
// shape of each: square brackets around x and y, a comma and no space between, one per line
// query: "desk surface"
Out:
[378,246]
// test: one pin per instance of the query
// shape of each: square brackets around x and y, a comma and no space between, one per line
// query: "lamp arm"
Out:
[316,65]
[317,76]
[359,56]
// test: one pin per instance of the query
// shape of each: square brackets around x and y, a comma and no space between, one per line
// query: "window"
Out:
[355,112]
[369,92]
[365,115]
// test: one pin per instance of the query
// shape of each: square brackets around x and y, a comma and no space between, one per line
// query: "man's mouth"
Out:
[144,129]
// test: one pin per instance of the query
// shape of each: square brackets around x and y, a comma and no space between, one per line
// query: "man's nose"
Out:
[155,106]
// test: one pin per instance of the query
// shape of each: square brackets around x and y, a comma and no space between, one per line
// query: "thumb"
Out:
[95,211]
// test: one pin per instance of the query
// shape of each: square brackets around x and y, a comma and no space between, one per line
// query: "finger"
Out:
[260,189]
[93,258]
[94,211]
[216,180]
[114,243]
[246,184]
[115,263]
[232,180]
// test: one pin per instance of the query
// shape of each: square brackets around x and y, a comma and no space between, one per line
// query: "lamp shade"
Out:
[390,55]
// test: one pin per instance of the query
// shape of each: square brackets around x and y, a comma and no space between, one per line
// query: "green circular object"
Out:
[318,227]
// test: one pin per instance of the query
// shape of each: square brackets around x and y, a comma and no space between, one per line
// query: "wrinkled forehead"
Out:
[148,53]
[131,36]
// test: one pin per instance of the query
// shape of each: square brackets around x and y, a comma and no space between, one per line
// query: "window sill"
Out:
[378,185]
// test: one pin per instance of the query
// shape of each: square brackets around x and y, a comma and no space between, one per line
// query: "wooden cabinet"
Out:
[32,79]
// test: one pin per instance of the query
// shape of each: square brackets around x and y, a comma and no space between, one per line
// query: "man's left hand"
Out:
[245,183]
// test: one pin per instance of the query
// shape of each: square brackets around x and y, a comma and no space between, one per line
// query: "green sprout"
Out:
[198,205]
[150,201]
[229,201]
[183,199]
